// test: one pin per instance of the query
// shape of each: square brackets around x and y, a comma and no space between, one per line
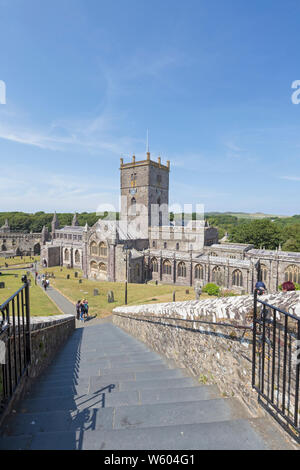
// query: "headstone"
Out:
[174,296]
[76,274]
[156,283]
[198,290]
[2,285]
[187,291]
[96,292]
[80,281]
[68,276]
[110,296]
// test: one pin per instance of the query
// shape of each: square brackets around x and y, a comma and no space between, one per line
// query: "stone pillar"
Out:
[160,267]
[174,269]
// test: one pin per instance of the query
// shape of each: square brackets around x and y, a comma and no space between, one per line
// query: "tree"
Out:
[292,238]
[261,233]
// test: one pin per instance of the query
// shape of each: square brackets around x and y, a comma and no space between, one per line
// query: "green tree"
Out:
[260,233]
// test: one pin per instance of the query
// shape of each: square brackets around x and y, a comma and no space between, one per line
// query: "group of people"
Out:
[82,310]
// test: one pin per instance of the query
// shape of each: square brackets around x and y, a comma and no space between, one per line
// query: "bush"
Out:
[297,286]
[211,289]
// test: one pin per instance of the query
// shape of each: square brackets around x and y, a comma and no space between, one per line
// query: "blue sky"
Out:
[210,79]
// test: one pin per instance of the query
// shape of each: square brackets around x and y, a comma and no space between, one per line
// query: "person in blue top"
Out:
[260,287]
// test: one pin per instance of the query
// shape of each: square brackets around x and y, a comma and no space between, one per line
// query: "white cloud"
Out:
[290,178]
[49,191]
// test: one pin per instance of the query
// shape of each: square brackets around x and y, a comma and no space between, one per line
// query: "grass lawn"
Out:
[18,260]
[40,304]
[137,293]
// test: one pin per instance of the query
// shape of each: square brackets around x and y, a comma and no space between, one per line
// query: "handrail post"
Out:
[254,338]
[27,316]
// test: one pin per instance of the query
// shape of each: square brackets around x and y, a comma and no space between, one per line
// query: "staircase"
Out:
[106,390]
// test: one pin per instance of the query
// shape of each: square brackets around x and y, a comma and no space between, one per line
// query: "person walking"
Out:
[82,311]
[78,309]
[86,309]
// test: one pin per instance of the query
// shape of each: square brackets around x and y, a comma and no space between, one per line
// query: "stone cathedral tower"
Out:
[145,183]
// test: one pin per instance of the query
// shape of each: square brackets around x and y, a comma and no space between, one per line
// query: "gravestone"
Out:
[96,292]
[80,281]
[174,296]
[68,276]
[76,274]
[2,285]
[187,291]
[110,296]
[198,290]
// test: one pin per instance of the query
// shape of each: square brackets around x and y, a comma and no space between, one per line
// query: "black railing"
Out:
[15,341]
[276,363]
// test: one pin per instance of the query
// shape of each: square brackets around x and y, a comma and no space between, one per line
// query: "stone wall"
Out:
[48,334]
[218,353]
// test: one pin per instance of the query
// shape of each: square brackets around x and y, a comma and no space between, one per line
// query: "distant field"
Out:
[40,304]
[246,215]
[137,293]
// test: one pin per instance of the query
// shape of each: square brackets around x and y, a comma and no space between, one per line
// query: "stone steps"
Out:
[95,397]
[69,401]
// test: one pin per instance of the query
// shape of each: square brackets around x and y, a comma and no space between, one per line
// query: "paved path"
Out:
[107,390]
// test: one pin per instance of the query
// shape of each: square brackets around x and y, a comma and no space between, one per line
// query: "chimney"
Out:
[133,159]
[148,156]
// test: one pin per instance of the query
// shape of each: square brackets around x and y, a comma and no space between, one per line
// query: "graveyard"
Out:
[75,288]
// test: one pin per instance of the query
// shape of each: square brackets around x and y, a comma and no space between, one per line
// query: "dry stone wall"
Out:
[218,353]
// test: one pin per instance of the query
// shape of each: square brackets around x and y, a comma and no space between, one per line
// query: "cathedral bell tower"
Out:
[145,190]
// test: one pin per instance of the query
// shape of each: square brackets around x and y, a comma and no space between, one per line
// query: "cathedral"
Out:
[143,245]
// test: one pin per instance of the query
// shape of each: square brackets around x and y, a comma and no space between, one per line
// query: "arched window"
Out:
[77,257]
[165,245]
[237,278]
[199,272]
[217,275]
[153,244]
[292,273]
[93,248]
[181,270]
[133,206]
[103,249]
[177,246]
[167,267]
[94,266]
[154,265]
[67,255]
[102,268]
[264,272]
